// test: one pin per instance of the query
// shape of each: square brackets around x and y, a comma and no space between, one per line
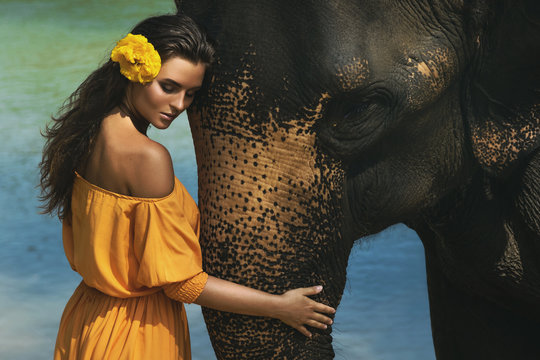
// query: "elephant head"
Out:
[326,121]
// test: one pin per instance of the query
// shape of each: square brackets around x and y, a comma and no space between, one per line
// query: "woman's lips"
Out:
[168,117]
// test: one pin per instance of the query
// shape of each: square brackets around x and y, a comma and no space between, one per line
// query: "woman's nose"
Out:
[179,103]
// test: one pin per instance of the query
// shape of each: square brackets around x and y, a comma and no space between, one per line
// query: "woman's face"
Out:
[170,93]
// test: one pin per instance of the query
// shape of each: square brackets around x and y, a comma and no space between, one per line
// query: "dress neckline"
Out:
[99,189]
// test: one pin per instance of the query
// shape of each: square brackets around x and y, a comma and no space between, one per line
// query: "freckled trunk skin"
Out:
[270,215]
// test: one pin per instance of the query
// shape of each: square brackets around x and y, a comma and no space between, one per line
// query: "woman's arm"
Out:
[294,308]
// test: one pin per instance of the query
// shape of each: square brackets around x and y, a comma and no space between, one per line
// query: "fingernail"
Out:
[318,287]
[326,327]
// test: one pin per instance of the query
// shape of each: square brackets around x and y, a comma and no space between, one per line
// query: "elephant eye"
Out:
[355,110]
[357,107]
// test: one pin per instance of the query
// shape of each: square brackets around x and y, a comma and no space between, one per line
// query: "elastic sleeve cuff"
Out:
[187,291]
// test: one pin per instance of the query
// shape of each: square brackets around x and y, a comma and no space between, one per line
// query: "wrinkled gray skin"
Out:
[326,121]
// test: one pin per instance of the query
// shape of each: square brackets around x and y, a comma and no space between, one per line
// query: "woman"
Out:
[129,226]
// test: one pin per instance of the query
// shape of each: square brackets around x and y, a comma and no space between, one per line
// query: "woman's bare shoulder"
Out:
[132,162]
[151,173]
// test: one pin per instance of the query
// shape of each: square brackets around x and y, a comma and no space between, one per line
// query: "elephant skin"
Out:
[323,122]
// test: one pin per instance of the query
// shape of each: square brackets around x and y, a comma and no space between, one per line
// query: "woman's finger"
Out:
[316,324]
[303,330]
[313,290]
[321,308]
[322,319]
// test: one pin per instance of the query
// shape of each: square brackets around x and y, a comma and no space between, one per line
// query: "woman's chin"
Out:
[162,125]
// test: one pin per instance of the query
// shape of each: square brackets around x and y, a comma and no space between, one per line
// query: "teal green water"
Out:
[47,49]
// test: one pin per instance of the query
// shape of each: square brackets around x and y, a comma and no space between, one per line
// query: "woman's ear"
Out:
[503,96]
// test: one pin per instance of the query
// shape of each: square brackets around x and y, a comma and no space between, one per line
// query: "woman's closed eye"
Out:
[168,88]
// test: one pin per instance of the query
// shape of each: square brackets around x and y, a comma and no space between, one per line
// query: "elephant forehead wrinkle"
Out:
[353,74]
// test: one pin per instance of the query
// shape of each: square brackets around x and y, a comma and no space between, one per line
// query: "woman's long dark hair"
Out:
[70,136]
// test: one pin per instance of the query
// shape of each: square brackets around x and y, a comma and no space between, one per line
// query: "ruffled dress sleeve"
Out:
[127,246]
[166,246]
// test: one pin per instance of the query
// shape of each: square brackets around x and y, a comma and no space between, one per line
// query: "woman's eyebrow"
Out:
[173,82]
[178,84]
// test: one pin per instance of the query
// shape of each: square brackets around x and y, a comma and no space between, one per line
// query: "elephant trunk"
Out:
[269,227]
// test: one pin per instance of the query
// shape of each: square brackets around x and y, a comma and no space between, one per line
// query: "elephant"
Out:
[323,122]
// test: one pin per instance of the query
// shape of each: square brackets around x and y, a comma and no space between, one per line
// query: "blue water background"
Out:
[47,49]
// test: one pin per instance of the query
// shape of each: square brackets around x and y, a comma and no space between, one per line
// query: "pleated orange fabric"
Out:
[128,250]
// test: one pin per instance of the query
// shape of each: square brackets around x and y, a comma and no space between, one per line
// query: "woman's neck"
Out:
[127,109]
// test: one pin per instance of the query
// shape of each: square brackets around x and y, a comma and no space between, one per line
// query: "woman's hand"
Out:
[297,310]
[294,307]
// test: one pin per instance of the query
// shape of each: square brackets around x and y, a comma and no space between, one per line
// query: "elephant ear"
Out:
[503,102]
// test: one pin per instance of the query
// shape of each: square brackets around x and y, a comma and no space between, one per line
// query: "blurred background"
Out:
[47,49]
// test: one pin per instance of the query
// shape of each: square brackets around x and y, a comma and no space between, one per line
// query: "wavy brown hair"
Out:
[71,134]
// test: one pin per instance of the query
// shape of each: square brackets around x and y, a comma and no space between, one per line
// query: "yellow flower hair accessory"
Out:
[138,59]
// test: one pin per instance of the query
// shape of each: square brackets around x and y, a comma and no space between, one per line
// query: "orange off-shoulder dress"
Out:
[139,259]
